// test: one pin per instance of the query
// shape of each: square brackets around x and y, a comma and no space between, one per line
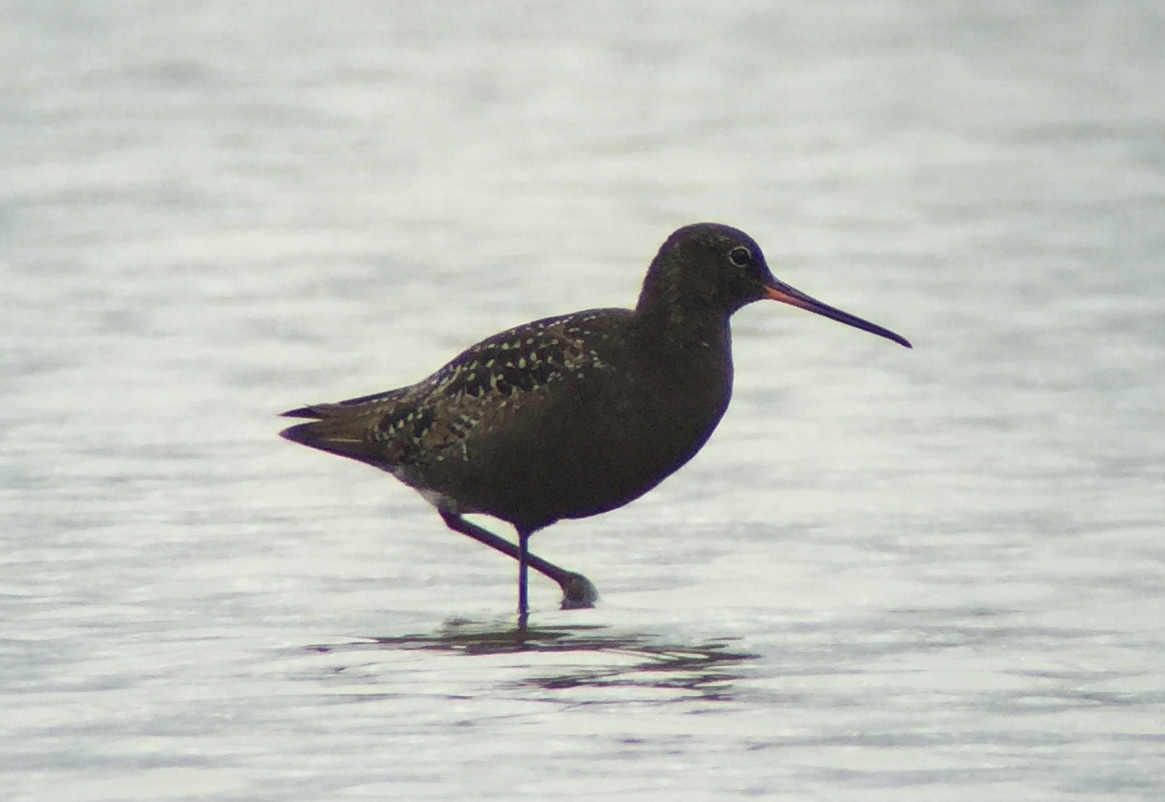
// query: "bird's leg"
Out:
[577,590]
[523,561]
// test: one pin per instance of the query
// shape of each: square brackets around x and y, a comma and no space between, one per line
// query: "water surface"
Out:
[909,575]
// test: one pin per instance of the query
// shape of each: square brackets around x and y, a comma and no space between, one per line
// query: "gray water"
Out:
[935,574]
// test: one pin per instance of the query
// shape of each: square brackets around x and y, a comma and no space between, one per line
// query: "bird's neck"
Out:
[687,359]
[681,320]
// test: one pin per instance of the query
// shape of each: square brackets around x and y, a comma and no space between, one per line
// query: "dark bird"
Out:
[570,416]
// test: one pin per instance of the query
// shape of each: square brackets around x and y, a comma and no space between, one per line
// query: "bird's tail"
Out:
[347,429]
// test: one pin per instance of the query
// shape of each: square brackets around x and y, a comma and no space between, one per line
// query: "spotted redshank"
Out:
[570,416]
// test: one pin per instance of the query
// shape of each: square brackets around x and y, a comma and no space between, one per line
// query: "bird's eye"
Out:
[740,256]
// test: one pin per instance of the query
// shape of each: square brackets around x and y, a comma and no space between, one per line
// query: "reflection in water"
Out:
[646,661]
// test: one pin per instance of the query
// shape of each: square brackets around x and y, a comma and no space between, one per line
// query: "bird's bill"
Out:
[780,291]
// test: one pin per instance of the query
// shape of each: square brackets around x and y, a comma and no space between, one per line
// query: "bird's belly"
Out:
[584,460]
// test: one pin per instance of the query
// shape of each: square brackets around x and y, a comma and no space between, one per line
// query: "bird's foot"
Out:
[578,592]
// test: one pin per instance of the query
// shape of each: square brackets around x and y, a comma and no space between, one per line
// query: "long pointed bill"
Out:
[780,291]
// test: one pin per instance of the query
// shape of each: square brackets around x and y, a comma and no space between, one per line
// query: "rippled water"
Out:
[908,575]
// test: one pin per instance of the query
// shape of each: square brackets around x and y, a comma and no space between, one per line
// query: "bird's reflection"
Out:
[708,668]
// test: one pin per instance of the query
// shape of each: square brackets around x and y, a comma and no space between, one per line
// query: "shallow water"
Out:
[909,575]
